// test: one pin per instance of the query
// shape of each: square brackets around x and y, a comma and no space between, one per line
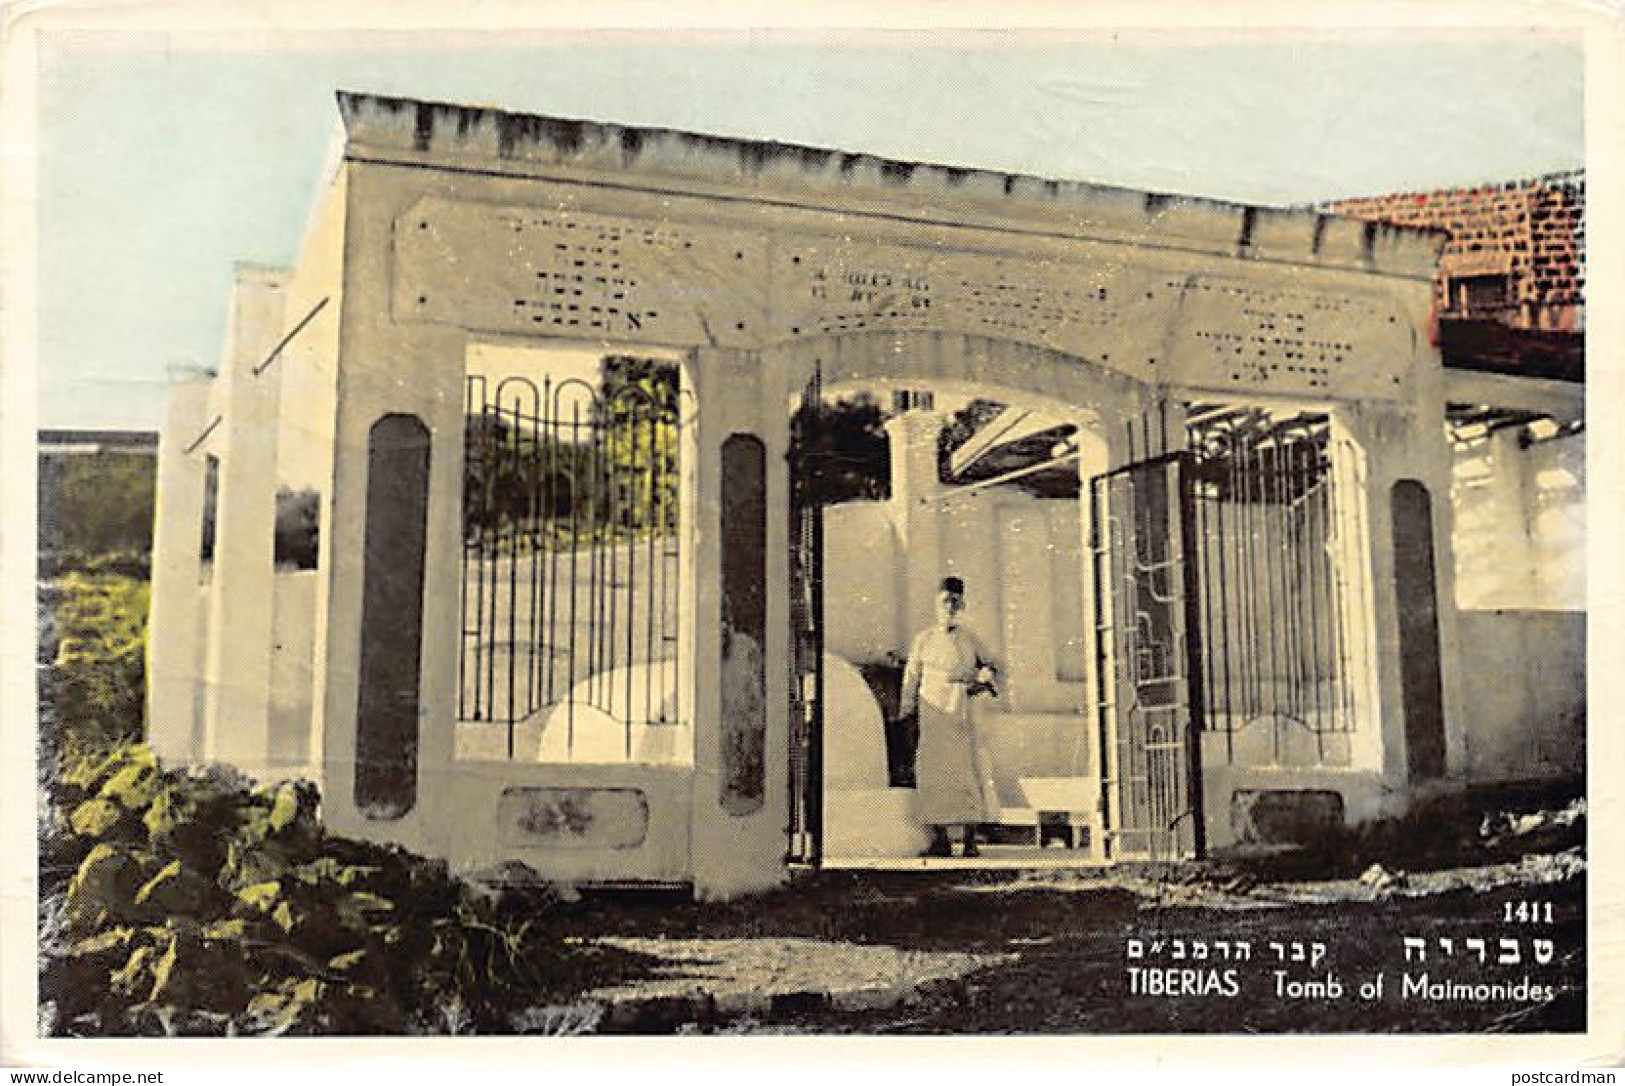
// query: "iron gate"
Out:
[1276,651]
[570,552]
[1148,660]
[805,827]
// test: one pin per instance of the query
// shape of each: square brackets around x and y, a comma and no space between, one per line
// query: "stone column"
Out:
[738,809]
[916,510]
[236,721]
[1394,444]
[174,655]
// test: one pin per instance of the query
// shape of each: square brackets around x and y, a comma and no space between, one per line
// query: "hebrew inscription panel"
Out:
[543,271]
[845,287]
[1144,322]
[1231,334]
[567,273]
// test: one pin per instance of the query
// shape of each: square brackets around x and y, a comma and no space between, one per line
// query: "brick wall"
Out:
[1516,252]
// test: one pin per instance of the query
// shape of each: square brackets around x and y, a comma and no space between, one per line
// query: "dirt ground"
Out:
[1043,956]
[1483,931]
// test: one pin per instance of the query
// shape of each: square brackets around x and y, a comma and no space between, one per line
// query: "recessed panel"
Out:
[744,624]
[601,818]
[386,741]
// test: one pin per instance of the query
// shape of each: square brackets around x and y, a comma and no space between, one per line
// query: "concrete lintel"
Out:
[1559,398]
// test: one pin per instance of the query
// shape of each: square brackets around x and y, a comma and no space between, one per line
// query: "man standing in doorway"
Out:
[947,666]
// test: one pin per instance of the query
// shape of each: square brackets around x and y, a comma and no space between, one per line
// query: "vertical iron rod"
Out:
[1275,505]
[674,550]
[1226,612]
[482,510]
[537,563]
[1313,552]
[650,508]
[816,605]
[603,533]
[534,538]
[668,533]
[1253,648]
[630,471]
[575,580]
[513,575]
[1185,518]
[462,602]
[554,479]
[1290,591]
[611,571]
[492,569]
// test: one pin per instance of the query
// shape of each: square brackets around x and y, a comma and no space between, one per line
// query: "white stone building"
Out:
[613,620]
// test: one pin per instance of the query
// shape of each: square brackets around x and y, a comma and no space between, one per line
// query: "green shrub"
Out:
[187,902]
[98,504]
[93,631]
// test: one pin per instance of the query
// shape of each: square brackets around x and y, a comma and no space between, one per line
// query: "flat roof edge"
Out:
[440,130]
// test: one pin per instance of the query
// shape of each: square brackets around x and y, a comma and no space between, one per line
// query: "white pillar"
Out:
[236,722]
[174,655]
[741,851]
[916,509]
[1391,443]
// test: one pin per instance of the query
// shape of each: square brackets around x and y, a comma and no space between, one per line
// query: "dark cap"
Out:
[953,585]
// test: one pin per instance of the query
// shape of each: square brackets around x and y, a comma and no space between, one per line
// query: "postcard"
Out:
[809,527]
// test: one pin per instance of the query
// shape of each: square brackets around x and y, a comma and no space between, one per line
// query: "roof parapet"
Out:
[441,133]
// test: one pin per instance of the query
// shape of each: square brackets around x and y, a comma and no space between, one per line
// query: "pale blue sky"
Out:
[161,164]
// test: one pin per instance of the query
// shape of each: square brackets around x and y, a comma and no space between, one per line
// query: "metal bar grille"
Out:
[1272,609]
[570,560]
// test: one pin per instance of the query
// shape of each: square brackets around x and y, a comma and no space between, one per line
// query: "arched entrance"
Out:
[1049,487]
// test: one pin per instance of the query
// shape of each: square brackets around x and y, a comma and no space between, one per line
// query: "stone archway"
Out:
[1024,546]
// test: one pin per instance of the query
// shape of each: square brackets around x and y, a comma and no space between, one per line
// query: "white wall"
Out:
[293,639]
[1520,523]
[1528,670]
[863,611]
[1520,546]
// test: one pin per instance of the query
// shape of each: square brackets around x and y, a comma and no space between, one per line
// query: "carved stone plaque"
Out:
[1230,334]
[540,271]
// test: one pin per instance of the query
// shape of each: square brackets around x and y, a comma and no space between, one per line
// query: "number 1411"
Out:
[1527,912]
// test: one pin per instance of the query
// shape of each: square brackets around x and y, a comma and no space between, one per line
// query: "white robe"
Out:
[942,664]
